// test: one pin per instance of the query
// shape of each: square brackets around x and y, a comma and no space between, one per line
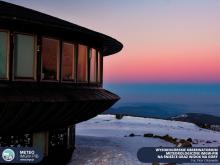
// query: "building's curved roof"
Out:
[17,18]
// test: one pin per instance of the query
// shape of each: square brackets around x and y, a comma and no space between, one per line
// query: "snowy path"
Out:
[102,141]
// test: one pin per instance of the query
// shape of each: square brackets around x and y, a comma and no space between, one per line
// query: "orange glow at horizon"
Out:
[158,66]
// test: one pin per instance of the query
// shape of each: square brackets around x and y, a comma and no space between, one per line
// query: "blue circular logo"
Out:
[8,155]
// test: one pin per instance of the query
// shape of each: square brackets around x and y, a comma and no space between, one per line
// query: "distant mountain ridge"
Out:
[162,110]
[152,110]
[169,112]
[198,118]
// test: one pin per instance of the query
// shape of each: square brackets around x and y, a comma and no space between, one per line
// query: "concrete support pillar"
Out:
[71,137]
[41,142]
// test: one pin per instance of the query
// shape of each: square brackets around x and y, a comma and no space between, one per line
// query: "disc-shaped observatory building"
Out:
[51,76]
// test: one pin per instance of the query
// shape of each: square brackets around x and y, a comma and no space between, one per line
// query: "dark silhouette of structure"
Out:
[51,76]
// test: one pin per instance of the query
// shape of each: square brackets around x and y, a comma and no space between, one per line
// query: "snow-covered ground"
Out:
[104,140]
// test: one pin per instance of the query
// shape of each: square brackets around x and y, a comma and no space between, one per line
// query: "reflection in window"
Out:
[24,57]
[50,56]
[99,67]
[3,55]
[82,64]
[68,62]
[93,65]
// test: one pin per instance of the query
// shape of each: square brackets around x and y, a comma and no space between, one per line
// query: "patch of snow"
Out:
[102,141]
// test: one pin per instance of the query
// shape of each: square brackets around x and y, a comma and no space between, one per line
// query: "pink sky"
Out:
[176,44]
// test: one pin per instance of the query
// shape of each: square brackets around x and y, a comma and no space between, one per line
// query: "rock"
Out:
[184,143]
[179,145]
[215,127]
[189,140]
[157,136]
[155,163]
[208,141]
[169,139]
[119,116]
[132,135]
[195,141]
[106,120]
[149,135]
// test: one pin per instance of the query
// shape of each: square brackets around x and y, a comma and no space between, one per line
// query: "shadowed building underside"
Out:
[30,108]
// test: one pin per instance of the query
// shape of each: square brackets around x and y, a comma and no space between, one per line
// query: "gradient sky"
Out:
[164,40]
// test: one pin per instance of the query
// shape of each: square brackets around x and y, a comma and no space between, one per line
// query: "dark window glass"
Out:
[82,64]
[68,62]
[50,59]
[24,57]
[3,55]
[93,65]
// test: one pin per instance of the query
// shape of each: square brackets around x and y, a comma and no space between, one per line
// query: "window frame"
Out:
[98,78]
[101,68]
[58,59]
[34,78]
[7,54]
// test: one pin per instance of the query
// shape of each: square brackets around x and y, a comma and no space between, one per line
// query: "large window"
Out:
[50,59]
[68,62]
[24,57]
[4,55]
[93,68]
[82,64]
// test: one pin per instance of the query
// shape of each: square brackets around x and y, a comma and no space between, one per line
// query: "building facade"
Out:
[51,76]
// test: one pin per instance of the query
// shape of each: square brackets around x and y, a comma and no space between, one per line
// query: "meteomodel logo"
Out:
[8,155]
